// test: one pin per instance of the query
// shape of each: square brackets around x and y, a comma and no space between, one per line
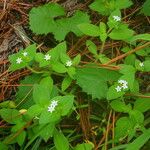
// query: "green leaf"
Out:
[84,146]
[71,71]
[130,60]
[103,33]
[42,91]
[113,94]
[106,7]
[91,47]
[21,138]
[76,60]
[66,25]
[136,117]
[120,106]
[113,23]
[60,141]
[10,115]
[24,60]
[45,14]
[34,111]
[47,131]
[59,67]
[123,128]
[3,146]
[145,8]
[97,80]
[122,33]
[140,141]
[24,97]
[66,83]
[147,65]
[145,37]
[142,104]
[89,29]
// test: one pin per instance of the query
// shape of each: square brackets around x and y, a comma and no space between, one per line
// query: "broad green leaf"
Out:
[106,7]
[3,146]
[136,117]
[145,37]
[142,104]
[10,115]
[66,83]
[60,141]
[113,94]
[91,47]
[130,60]
[66,25]
[47,131]
[42,91]
[145,8]
[48,117]
[120,106]
[84,146]
[139,65]
[59,67]
[45,14]
[64,58]
[24,97]
[140,141]
[97,80]
[103,33]
[34,111]
[21,138]
[71,71]
[89,29]
[123,128]
[76,60]
[122,33]
[147,65]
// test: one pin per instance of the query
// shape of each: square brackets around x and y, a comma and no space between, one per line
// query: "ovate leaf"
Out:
[41,19]
[89,29]
[60,141]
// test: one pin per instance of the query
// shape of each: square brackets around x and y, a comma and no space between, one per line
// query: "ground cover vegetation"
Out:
[80,77]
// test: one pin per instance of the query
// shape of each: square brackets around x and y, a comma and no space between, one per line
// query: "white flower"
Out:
[52,106]
[118,88]
[18,60]
[69,63]
[47,57]
[124,84]
[141,64]
[116,18]
[25,53]
[54,103]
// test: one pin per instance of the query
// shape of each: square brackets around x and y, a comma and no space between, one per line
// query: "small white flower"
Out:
[52,106]
[25,53]
[124,84]
[116,18]
[69,63]
[141,64]
[47,57]
[18,60]
[118,88]
[54,103]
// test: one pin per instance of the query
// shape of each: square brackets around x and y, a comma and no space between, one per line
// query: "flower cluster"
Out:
[117,18]
[52,106]
[123,84]
[19,59]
